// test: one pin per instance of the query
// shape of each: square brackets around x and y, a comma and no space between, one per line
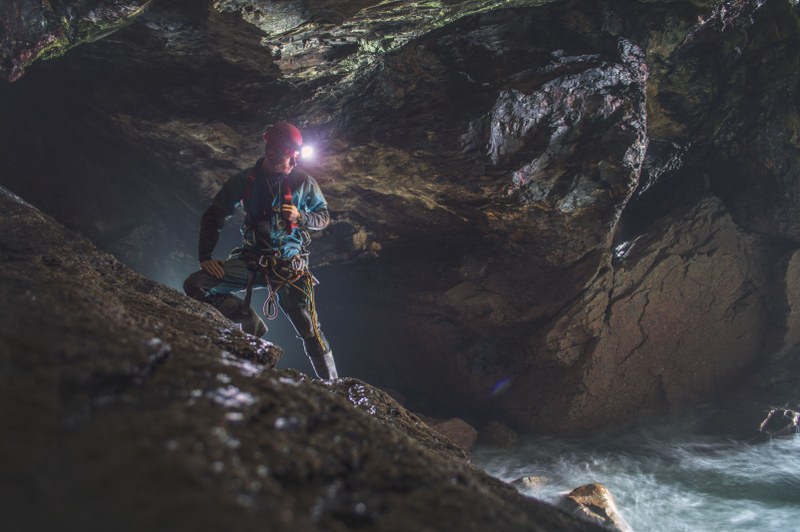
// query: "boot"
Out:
[324,366]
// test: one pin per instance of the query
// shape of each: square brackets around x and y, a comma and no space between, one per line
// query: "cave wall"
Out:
[556,214]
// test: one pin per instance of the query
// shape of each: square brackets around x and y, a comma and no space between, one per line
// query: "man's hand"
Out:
[290,213]
[214,268]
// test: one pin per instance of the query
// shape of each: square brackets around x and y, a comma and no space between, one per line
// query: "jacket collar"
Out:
[294,176]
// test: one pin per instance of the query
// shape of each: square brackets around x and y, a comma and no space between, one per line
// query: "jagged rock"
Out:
[780,422]
[128,405]
[564,214]
[41,29]
[380,404]
[498,434]
[595,503]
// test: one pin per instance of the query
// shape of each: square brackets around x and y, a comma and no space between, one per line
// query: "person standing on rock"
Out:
[281,204]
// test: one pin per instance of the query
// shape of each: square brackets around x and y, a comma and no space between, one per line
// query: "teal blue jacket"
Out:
[261,197]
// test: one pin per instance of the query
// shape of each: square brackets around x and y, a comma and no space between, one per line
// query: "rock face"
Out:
[497,434]
[458,431]
[40,29]
[127,405]
[557,215]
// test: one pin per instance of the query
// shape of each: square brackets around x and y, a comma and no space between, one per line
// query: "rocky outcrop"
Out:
[462,434]
[685,316]
[556,215]
[496,434]
[127,405]
[595,503]
[43,29]
[780,422]
[530,482]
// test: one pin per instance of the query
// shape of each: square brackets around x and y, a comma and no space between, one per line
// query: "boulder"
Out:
[595,503]
[458,431]
[130,406]
[780,422]
[497,434]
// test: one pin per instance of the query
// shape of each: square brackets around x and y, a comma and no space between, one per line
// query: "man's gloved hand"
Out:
[213,267]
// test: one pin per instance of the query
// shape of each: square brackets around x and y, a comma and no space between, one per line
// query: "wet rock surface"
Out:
[125,403]
[530,482]
[780,422]
[557,215]
[595,503]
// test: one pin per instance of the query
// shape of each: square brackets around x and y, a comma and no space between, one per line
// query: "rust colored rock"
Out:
[497,434]
[458,431]
[595,503]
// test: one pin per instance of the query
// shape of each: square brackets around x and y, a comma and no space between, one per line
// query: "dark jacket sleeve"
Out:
[221,207]
[314,215]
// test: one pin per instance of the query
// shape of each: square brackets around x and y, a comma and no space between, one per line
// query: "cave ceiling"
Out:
[540,202]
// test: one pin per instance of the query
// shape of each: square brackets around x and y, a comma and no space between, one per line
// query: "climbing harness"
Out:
[279,273]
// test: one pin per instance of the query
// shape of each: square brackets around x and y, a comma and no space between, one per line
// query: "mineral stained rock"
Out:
[461,433]
[126,405]
[40,29]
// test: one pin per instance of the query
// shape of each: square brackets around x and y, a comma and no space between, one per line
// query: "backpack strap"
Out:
[248,189]
[247,197]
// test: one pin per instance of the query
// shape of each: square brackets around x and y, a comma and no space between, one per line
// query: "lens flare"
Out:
[307,152]
[501,385]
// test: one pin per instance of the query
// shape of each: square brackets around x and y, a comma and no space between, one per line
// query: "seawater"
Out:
[666,479]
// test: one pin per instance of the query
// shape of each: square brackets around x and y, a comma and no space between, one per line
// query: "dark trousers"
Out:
[295,299]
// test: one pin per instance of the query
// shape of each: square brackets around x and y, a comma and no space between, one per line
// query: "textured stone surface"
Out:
[497,434]
[462,434]
[780,422]
[685,317]
[127,405]
[39,29]
[530,482]
[595,503]
[554,214]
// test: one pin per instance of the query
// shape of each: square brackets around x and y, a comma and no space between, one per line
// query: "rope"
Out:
[270,308]
[275,282]
[298,271]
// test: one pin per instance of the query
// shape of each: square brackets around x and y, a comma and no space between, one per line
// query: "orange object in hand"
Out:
[287,200]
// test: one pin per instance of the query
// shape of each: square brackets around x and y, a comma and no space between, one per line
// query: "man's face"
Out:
[278,160]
